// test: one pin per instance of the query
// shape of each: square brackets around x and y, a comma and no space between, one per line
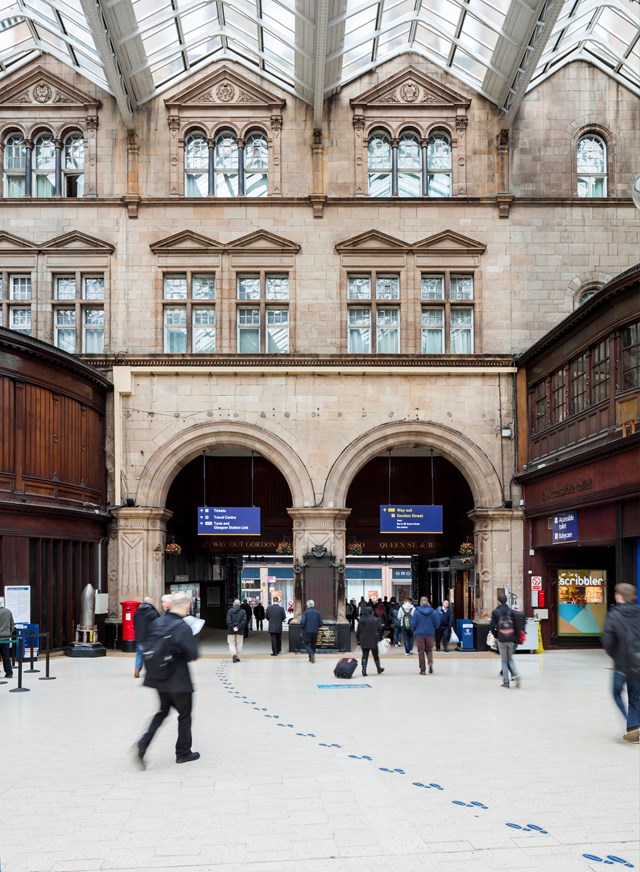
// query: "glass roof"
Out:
[312,47]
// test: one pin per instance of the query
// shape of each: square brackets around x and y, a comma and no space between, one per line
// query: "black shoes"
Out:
[364,673]
[380,670]
[312,658]
[137,755]
[188,758]
[430,669]
[505,684]
[236,659]
[273,654]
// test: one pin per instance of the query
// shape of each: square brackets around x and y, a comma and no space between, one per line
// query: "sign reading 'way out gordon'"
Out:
[237,521]
[411,519]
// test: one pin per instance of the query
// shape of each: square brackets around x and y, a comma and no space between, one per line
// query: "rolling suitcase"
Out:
[345,667]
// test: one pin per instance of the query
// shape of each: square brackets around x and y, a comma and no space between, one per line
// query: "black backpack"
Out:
[520,623]
[506,627]
[159,656]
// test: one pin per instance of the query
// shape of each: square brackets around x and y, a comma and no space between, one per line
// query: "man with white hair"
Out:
[143,617]
[166,602]
[171,635]
[310,623]
[236,623]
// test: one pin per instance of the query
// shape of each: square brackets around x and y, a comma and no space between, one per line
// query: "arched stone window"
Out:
[44,165]
[256,165]
[15,164]
[196,165]
[439,165]
[73,164]
[380,164]
[410,165]
[226,164]
[591,166]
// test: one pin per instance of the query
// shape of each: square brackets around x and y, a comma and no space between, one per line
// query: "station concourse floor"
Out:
[445,773]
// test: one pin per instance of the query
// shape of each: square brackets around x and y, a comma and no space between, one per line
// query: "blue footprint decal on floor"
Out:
[399,771]
[609,860]
[364,757]
[327,745]
[529,828]
[472,804]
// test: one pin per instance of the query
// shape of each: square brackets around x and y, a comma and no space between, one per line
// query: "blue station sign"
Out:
[564,528]
[411,519]
[237,521]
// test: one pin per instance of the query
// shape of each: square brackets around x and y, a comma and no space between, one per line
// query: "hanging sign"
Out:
[237,521]
[564,528]
[411,519]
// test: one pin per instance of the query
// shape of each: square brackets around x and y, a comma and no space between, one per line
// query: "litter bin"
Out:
[27,641]
[464,629]
[481,631]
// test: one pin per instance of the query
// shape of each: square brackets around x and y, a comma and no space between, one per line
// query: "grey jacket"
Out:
[7,625]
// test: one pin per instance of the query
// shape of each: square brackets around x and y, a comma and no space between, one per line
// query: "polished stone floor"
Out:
[395,773]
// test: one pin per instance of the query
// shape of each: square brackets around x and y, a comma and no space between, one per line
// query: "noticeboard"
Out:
[410,519]
[235,521]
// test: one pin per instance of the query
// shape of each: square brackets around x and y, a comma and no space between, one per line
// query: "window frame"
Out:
[263,305]
[10,303]
[375,305]
[448,304]
[190,304]
[80,304]
[588,177]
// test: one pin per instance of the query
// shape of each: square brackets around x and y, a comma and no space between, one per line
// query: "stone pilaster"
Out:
[140,543]
[319,527]
[498,548]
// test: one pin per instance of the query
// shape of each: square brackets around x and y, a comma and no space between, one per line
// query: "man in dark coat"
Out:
[443,633]
[175,691]
[310,623]
[424,623]
[143,617]
[621,640]
[368,634]
[258,614]
[7,628]
[501,618]
[236,623]
[249,614]
[276,617]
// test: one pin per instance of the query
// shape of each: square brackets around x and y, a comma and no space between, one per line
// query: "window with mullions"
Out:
[439,166]
[591,166]
[600,372]
[630,354]
[540,406]
[263,328]
[408,168]
[229,167]
[15,165]
[559,396]
[44,169]
[78,313]
[16,289]
[447,328]
[579,369]
[375,327]
[189,313]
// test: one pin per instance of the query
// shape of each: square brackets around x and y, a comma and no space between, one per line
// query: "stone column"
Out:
[498,550]
[140,536]
[321,527]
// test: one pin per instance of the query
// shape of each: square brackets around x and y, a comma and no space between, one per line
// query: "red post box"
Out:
[128,633]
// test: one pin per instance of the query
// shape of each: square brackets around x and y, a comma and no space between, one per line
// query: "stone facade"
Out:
[319,415]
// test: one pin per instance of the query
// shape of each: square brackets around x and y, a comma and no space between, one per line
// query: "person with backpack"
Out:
[236,624]
[170,647]
[404,616]
[621,641]
[503,627]
[395,629]
[143,617]
[370,631]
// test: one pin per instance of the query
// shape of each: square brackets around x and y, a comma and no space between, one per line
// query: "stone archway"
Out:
[161,469]
[474,464]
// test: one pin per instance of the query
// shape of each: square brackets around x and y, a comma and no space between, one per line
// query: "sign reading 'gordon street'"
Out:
[564,528]
[218,521]
[411,519]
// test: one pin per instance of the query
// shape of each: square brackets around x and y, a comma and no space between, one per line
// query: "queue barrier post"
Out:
[46,676]
[20,652]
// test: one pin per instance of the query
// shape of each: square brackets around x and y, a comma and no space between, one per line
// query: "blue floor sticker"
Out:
[610,860]
[342,686]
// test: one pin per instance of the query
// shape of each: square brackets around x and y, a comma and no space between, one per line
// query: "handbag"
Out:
[383,646]
[453,639]
[491,640]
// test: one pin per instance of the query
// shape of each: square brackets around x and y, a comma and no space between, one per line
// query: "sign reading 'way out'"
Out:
[411,519]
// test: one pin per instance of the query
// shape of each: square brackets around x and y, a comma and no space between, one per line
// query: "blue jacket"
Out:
[311,621]
[424,621]
[446,619]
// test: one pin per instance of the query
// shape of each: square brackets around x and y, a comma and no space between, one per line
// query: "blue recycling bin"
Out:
[27,638]
[464,629]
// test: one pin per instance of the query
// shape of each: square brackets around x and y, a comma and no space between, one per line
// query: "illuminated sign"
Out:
[218,521]
[564,528]
[411,519]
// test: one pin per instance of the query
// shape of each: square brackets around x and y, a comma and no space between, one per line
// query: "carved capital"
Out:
[461,122]
[276,122]
[92,122]
[174,122]
[504,204]
[132,201]
[358,122]
[317,201]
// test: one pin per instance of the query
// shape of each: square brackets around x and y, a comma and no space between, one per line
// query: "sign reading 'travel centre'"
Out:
[237,521]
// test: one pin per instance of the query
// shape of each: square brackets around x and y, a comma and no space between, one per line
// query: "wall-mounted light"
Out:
[506,433]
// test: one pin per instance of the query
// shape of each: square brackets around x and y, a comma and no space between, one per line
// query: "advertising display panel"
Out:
[582,601]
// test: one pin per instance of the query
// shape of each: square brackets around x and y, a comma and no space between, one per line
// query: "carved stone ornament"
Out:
[276,122]
[42,93]
[174,122]
[62,98]
[205,97]
[225,92]
[358,122]
[391,97]
[409,92]
[23,98]
[318,551]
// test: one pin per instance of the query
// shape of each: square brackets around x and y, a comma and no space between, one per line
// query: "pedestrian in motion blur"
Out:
[443,633]
[258,614]
[503,627]
[424,623]
[143,617]
[621,640]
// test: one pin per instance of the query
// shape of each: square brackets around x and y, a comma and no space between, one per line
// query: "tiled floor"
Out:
[447,773]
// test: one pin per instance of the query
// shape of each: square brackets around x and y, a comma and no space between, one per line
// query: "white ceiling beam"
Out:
[320,61]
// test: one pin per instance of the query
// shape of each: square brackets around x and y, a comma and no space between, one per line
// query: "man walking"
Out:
[405,613]
[236,623]
[443,633]
[143,617]
[176,689]
[7,627]
[258,614]
[424,623]
[621,640]
[503,627]
[368,634]
[310,623]
[276,617]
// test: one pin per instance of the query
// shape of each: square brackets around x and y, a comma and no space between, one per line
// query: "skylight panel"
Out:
[433,42]
[197,21]
[393,11]
[278,50]
[236,21]
[470,69]
[392,40]
[205,48]
[11,38]
[443,15]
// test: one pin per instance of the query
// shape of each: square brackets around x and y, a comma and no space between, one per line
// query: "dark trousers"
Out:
[181,702]
[259,624]
[424,644]
[5,648]
[443,634]
[276,643]
[309,643]
[365,658]
[633,696]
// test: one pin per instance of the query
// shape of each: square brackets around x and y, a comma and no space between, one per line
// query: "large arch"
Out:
[162,467]
[457,448]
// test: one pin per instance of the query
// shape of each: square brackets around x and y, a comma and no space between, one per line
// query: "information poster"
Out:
[410,519]
[582,601]
[17,598]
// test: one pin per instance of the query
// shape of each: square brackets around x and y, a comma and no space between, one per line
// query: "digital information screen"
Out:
[411,519]
[237,521]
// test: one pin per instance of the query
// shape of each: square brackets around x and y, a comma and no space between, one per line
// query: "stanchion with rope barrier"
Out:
[46,676]
[20,652]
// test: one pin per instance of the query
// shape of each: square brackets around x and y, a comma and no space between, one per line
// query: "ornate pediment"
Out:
[224,89]
[410,88]
[10,244]
[449,242]
[264,242]
[186,242]
[77,242]
[372,241]
[41,88]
